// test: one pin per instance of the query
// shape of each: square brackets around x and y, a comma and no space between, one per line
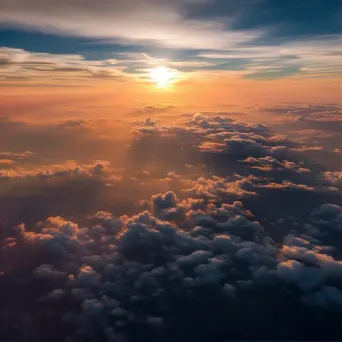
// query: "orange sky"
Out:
[205,90]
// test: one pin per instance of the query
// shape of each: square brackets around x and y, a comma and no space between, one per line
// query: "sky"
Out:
[226,49]
[170,171]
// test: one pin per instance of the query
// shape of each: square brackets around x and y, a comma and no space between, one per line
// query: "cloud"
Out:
[164,244]
[296,58]
[22,65]
[228,146]
[46,271]
[133,21]
[152,110]
[118,265]
[286,185]
[324,297]
[327,217]
[9,158]
[313,112]
[161,150]
[14,155]
[269,163]
[213,35]
[56,171]
[220,187]
[334,177]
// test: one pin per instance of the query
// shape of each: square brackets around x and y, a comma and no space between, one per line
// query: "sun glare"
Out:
[162,76]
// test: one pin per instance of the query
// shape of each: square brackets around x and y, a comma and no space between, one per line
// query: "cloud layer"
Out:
[147,20]
[197,219]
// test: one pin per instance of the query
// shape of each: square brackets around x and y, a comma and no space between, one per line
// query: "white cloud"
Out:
[162,22]
[22,65]
[314,57]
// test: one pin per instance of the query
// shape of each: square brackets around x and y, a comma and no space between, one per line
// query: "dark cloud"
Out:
[143,246]
[327,216]
[149,261]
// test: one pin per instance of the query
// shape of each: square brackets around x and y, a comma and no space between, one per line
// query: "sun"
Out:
[162,76]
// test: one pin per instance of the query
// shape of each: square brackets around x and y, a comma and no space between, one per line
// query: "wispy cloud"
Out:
[315,57]
[149,21]
[21,65]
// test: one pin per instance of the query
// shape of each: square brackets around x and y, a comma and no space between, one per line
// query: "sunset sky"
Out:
[224,51]
[170,170]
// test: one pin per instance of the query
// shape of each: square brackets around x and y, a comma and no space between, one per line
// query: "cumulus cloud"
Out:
[269,163]
[219,186]
[220,134]
[177,242]
[325,218]
[57,171]
[225,143]
[114,268]
[334,177]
